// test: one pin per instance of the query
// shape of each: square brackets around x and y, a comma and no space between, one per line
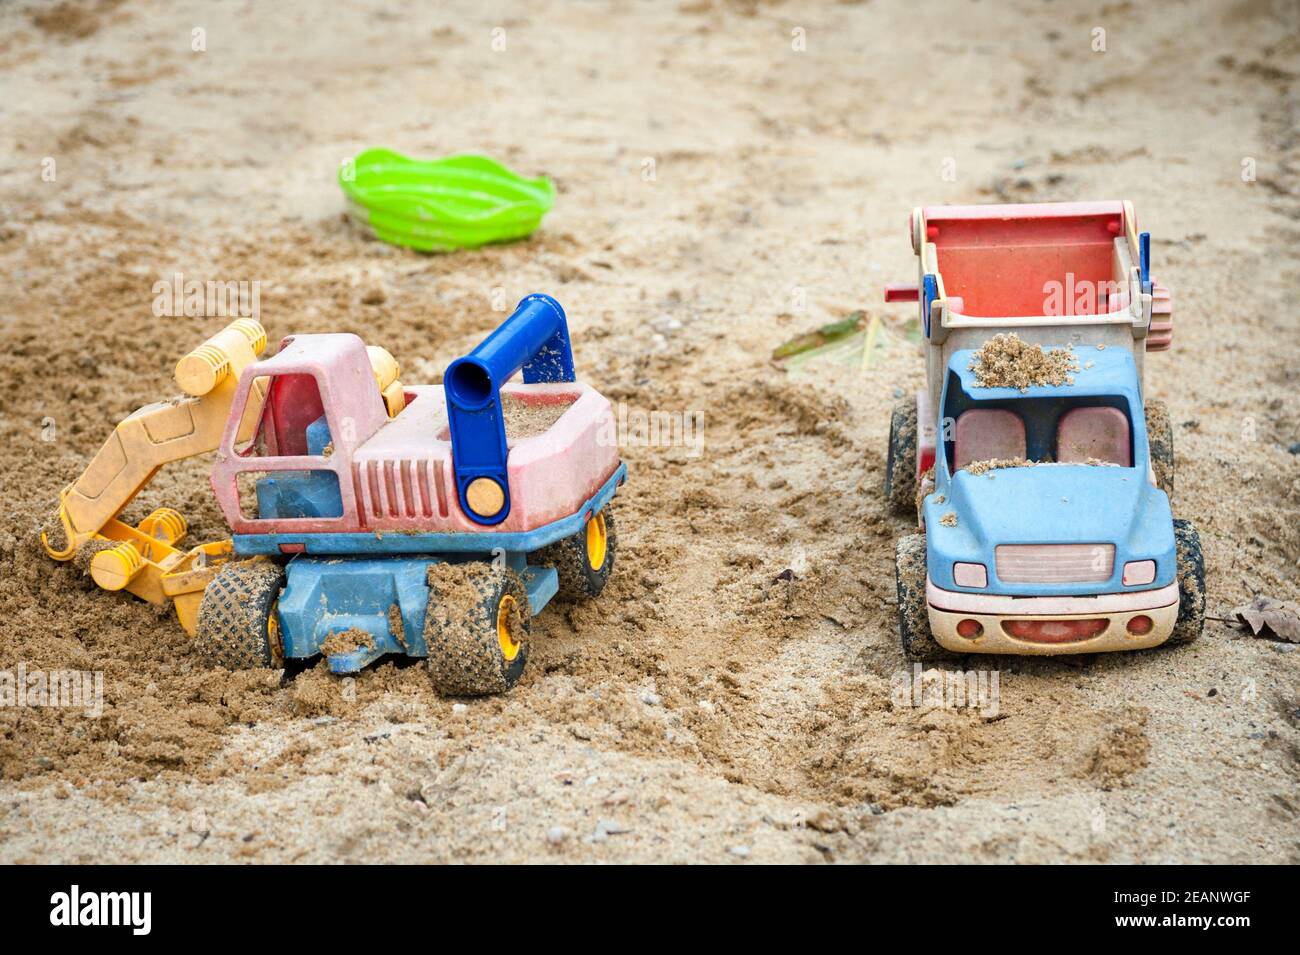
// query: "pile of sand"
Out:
[1005,361]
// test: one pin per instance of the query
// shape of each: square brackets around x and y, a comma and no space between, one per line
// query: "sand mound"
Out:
[1005,361]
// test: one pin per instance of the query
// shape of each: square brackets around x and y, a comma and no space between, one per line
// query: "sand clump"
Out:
[346,641]
[1006,361]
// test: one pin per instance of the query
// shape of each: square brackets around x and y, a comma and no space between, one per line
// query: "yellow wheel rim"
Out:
[597,542]
[273,634]
[506,610]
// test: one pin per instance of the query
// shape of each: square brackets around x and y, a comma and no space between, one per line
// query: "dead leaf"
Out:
[836,331]
[1267,616]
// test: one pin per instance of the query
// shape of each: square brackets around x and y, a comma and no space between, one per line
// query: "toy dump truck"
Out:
[368,517]
[1038,472]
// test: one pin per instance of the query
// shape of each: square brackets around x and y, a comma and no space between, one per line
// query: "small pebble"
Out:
[741,852]
[650,698]
[1294,447]
[556,835]
[459,708]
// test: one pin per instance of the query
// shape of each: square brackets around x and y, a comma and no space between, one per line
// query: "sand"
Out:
[1007,361]
[719,193]
[527,420]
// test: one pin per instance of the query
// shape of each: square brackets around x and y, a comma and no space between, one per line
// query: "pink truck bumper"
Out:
[988,623]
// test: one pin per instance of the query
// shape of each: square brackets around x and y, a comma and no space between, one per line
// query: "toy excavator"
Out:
[368,518]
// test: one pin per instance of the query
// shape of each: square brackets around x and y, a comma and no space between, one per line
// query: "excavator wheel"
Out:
[238,626]
[476,628]
[585,560]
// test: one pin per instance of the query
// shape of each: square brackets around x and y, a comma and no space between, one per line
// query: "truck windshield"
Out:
[1094,431]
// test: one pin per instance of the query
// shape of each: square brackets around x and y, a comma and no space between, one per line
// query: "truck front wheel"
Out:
[1191,584]
[913,610]
[900,463]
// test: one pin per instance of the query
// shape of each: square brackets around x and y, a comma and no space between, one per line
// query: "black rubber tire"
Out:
[1191,584]
[1160,438]
[236,627]
[579,580]
[900,462]
[913,610]
[466,657]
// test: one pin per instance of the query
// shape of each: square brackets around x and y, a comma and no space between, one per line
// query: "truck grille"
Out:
[399,489]
[1055,563]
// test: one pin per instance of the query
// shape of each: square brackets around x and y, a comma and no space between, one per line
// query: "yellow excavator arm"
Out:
[143,559]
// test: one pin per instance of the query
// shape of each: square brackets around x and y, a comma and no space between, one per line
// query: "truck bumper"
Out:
[1022,625]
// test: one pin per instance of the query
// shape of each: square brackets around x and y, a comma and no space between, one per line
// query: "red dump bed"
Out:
[999,258]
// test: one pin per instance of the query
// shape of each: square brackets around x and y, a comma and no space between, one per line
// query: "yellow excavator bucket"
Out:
[143,559]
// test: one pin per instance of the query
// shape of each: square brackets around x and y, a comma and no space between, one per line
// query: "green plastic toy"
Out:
[461,202]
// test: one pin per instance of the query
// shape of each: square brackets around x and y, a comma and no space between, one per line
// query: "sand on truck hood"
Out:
[1007,361]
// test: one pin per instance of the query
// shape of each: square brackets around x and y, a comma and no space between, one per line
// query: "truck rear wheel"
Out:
[1160,438]
[238,627]
[900,463]
[477,629]
[1191,584]
[913,610]
[585,560]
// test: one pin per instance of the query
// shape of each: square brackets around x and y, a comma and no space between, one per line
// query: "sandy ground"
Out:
[698,712]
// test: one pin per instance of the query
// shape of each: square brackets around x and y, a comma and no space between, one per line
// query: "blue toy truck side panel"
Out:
[384,597]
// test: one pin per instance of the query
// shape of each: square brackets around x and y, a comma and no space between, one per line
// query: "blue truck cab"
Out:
[1044,504]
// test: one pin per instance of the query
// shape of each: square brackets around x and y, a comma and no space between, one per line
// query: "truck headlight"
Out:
[970,575]
[1139,572]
